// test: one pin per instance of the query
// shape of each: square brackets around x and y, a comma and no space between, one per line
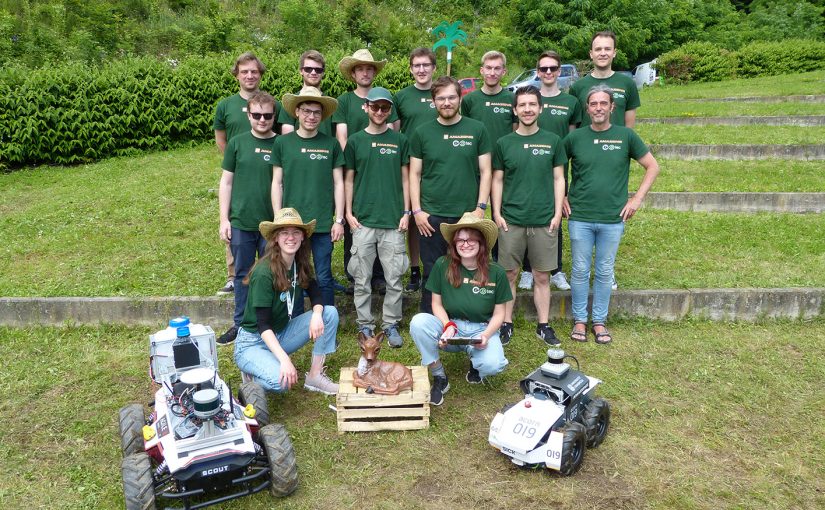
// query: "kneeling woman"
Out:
[269,333]
[469,292]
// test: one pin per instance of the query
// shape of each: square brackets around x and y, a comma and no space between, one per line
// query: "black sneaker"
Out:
[440,386]
[414,283]
[228,337]
[546,333]
[337,287]
[473,377]
[505,332]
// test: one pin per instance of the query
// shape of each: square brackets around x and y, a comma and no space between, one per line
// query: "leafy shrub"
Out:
[77,114]
[697,61]
[781,57]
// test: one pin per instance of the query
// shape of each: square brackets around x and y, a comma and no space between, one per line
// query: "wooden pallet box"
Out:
[359,411]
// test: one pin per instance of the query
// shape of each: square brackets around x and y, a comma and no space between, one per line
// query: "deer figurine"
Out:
[381,377]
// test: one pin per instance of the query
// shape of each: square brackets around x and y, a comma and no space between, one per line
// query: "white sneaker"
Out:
[615,284]
[526,281]
[559,280]
[320,383]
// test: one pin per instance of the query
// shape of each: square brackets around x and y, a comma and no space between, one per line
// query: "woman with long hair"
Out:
[269,333]
[468,296]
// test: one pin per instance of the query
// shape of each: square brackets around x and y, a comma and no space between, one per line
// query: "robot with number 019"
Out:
[558,419]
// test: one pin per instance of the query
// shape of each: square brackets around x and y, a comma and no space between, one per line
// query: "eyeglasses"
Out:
[266,116]
[380,107]
[421,66]
[548,69]
[466,242]
[441,99]
[310,70]
[287,233]
[311,113]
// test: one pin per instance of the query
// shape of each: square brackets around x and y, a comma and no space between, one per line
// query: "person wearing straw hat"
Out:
[351,117]
[271,331]
[308,175]
[312,67]
[244,198]
[469,293]
[378,203]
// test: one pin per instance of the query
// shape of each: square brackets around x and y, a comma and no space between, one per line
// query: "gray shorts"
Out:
[541,246]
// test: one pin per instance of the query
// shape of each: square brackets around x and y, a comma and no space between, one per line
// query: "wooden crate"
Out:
[359,411]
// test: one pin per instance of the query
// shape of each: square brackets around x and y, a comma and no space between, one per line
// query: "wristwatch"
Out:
[482,206]
[340,221]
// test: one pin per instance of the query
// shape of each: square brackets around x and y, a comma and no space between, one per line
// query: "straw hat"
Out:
[291,101]
[487,228]
[286,217]
[359,57]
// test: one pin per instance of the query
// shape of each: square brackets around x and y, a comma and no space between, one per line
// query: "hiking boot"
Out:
[526,281]
[614,284]
[414,283]
[505,332]
[559,280]
[393,336]
[228,337]
[366,330]
[229,288]
[546,333]
[440,386]
[320,383]
[473,377]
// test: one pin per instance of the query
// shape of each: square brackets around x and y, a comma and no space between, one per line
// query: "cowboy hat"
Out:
[286,217]
[358,58]
[487,228]
[291,101]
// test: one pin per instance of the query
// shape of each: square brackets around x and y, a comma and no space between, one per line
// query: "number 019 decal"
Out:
[521,429]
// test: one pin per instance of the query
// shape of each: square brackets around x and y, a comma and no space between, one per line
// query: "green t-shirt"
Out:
[230,116]
[495,112]
[378,195]
[625,95]
[262,295]
[469,301]
[351,112]
[285,118]
[250,160]
[559,112]
[307,165]
[449,172]
[414,107]
[527,162]
[600,166]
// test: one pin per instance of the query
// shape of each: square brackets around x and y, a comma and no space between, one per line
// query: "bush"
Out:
[77,114]
[781,57]
[697,61]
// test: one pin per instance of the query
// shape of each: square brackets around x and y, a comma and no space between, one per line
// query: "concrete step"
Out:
[806,98]
[739,152]
[777,120]
[737,202]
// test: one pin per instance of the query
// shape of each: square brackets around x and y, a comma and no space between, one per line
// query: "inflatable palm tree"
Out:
[451,35]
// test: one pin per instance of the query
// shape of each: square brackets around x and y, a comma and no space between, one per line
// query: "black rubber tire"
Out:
[281,455]
[573,447]
[131,420]
[596,419]
[506,408]
[252,393]
[138,484]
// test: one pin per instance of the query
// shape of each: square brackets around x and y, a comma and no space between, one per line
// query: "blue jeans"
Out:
[584,237]
[426,329]
[322,257]
[254,357]
[244,246]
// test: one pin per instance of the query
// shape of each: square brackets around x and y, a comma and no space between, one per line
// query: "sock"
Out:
[438,371]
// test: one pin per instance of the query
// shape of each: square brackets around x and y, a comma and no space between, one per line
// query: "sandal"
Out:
[601,338]
[579,336]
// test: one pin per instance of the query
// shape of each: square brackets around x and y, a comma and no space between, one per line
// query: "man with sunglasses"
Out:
[415,107]
[377,205]
[244,198]
[312,67]
[308,175]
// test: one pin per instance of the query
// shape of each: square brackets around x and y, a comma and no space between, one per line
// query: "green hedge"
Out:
[75,114]
[704,61]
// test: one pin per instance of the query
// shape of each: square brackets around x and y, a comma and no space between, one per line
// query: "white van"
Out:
[645,74]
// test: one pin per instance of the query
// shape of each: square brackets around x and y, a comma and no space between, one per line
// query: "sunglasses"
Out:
[380,107]
[266,116]
[548,69]
[310,70]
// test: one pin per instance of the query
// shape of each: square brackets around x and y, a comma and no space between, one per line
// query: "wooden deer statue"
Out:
[381,377]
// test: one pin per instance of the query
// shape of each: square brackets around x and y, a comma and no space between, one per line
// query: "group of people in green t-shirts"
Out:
[413,173]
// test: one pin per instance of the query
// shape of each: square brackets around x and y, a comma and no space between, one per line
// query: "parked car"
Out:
[569,74]
[468,85]
[645,74]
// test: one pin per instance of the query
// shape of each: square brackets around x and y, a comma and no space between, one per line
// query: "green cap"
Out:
[379,94]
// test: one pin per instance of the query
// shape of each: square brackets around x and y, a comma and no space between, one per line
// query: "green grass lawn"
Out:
[716,134]
[716,176]
[705,415]
[653,109]
[147,226]
[784,85]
